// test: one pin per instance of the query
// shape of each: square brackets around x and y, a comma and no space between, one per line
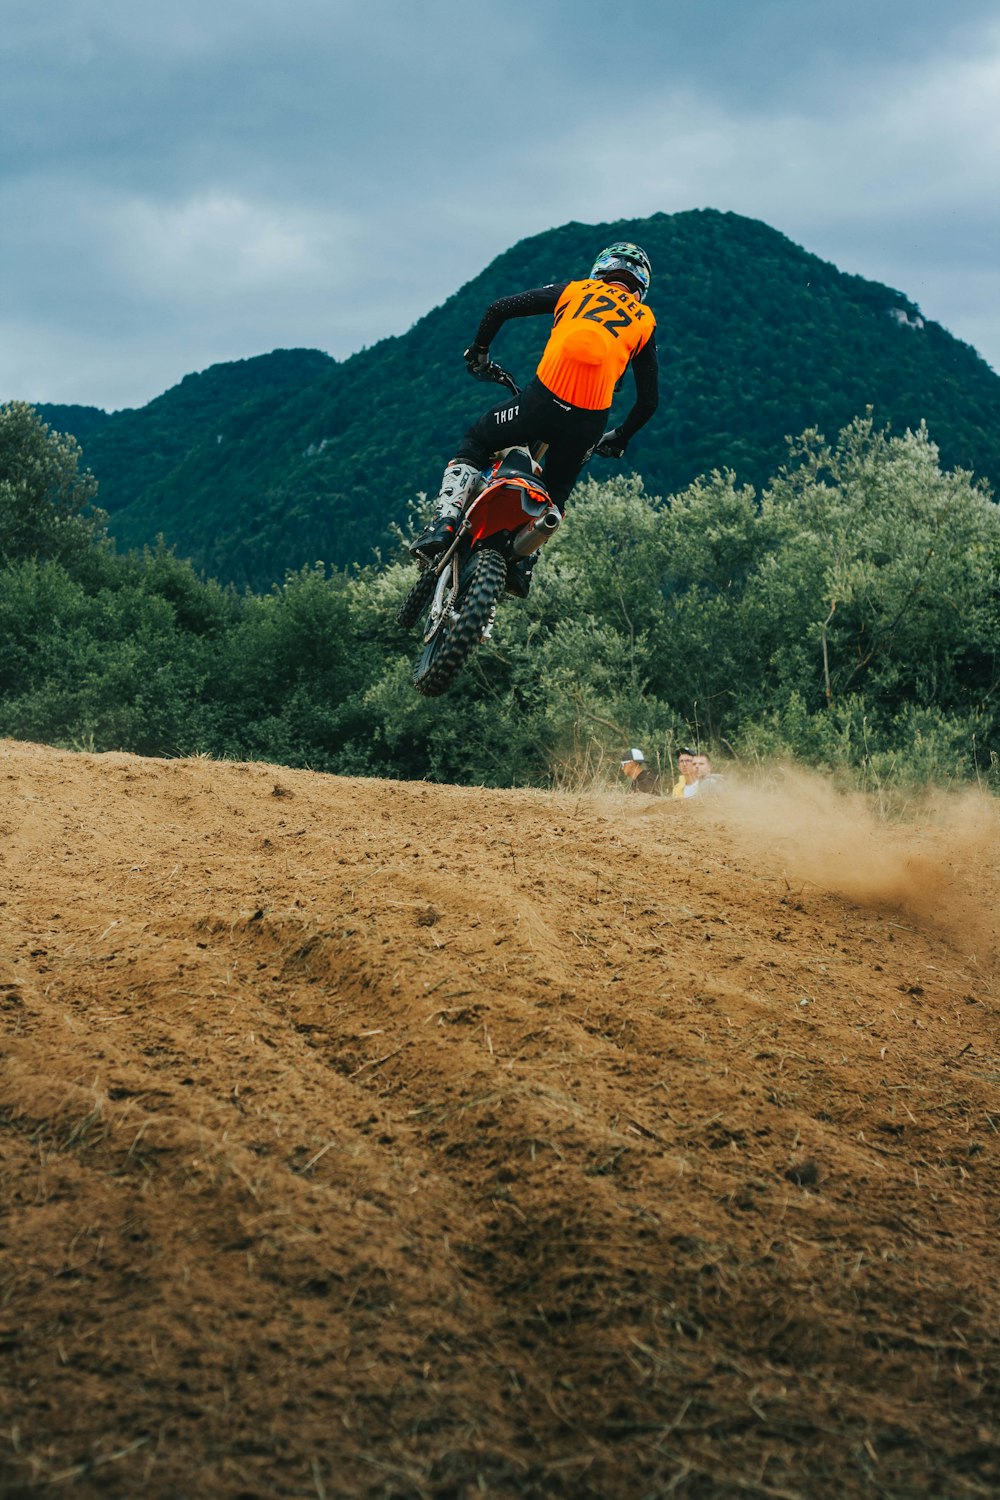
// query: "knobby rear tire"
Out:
[451,647]
[417,599]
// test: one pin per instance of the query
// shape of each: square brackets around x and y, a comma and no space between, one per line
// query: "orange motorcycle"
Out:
[506,522]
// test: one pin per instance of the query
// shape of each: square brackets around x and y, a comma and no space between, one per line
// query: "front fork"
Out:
[446,588]
[445,597]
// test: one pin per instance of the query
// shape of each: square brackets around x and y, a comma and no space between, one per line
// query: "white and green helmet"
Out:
[625,257]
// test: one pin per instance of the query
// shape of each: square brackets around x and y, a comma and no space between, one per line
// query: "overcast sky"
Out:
[211,179]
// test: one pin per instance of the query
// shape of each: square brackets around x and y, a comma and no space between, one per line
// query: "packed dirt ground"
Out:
[392,1140]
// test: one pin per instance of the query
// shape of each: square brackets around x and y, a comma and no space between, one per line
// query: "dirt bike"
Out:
[510,518]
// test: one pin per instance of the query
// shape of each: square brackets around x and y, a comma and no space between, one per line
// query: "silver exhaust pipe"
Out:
[535,533]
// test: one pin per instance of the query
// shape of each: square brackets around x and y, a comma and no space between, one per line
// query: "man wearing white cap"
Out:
[633,765]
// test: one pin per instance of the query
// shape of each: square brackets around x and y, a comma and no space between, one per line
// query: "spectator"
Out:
[706,780]
[633,765]
[687,776]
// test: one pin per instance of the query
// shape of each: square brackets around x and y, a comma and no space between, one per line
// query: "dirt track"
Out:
[388,1140]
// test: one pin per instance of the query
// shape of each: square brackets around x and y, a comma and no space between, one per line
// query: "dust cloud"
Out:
[937,862]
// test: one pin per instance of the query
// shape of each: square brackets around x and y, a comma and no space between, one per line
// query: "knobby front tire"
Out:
[417,599]
[451,646]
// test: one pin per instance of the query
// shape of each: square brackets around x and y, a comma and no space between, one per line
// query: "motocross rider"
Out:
[599,326]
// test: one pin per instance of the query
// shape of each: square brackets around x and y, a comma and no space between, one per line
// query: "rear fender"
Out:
[505,505]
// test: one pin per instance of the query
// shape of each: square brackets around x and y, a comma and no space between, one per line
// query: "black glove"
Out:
[612,444]
[477,360]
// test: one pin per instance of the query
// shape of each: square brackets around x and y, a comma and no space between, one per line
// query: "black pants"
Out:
[536,416]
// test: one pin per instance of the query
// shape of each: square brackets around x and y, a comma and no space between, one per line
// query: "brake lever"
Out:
[501,376]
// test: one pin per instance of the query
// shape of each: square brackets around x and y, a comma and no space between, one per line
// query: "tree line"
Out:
[846,613]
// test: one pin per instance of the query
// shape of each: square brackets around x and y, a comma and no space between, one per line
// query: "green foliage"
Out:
[285,679]
[45,500]
[849,615]
[108,667]
[261,466]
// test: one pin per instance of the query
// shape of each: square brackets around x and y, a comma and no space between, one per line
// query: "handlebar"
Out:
[498,375]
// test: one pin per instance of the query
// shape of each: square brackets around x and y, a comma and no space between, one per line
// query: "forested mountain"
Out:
[258,466]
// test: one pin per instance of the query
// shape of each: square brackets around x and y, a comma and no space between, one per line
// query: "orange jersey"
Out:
[597,328]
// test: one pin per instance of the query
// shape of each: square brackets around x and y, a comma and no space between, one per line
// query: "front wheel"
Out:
[417,599]
[465,625]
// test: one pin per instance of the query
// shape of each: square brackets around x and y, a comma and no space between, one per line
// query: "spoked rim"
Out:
[464,619]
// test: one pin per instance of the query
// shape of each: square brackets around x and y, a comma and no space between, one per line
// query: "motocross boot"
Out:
[457,487]
[519,575]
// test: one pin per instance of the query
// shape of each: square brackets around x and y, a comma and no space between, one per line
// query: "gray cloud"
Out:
[208,182]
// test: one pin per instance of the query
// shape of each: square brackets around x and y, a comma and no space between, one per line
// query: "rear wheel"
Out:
[417,599]
[464,625]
